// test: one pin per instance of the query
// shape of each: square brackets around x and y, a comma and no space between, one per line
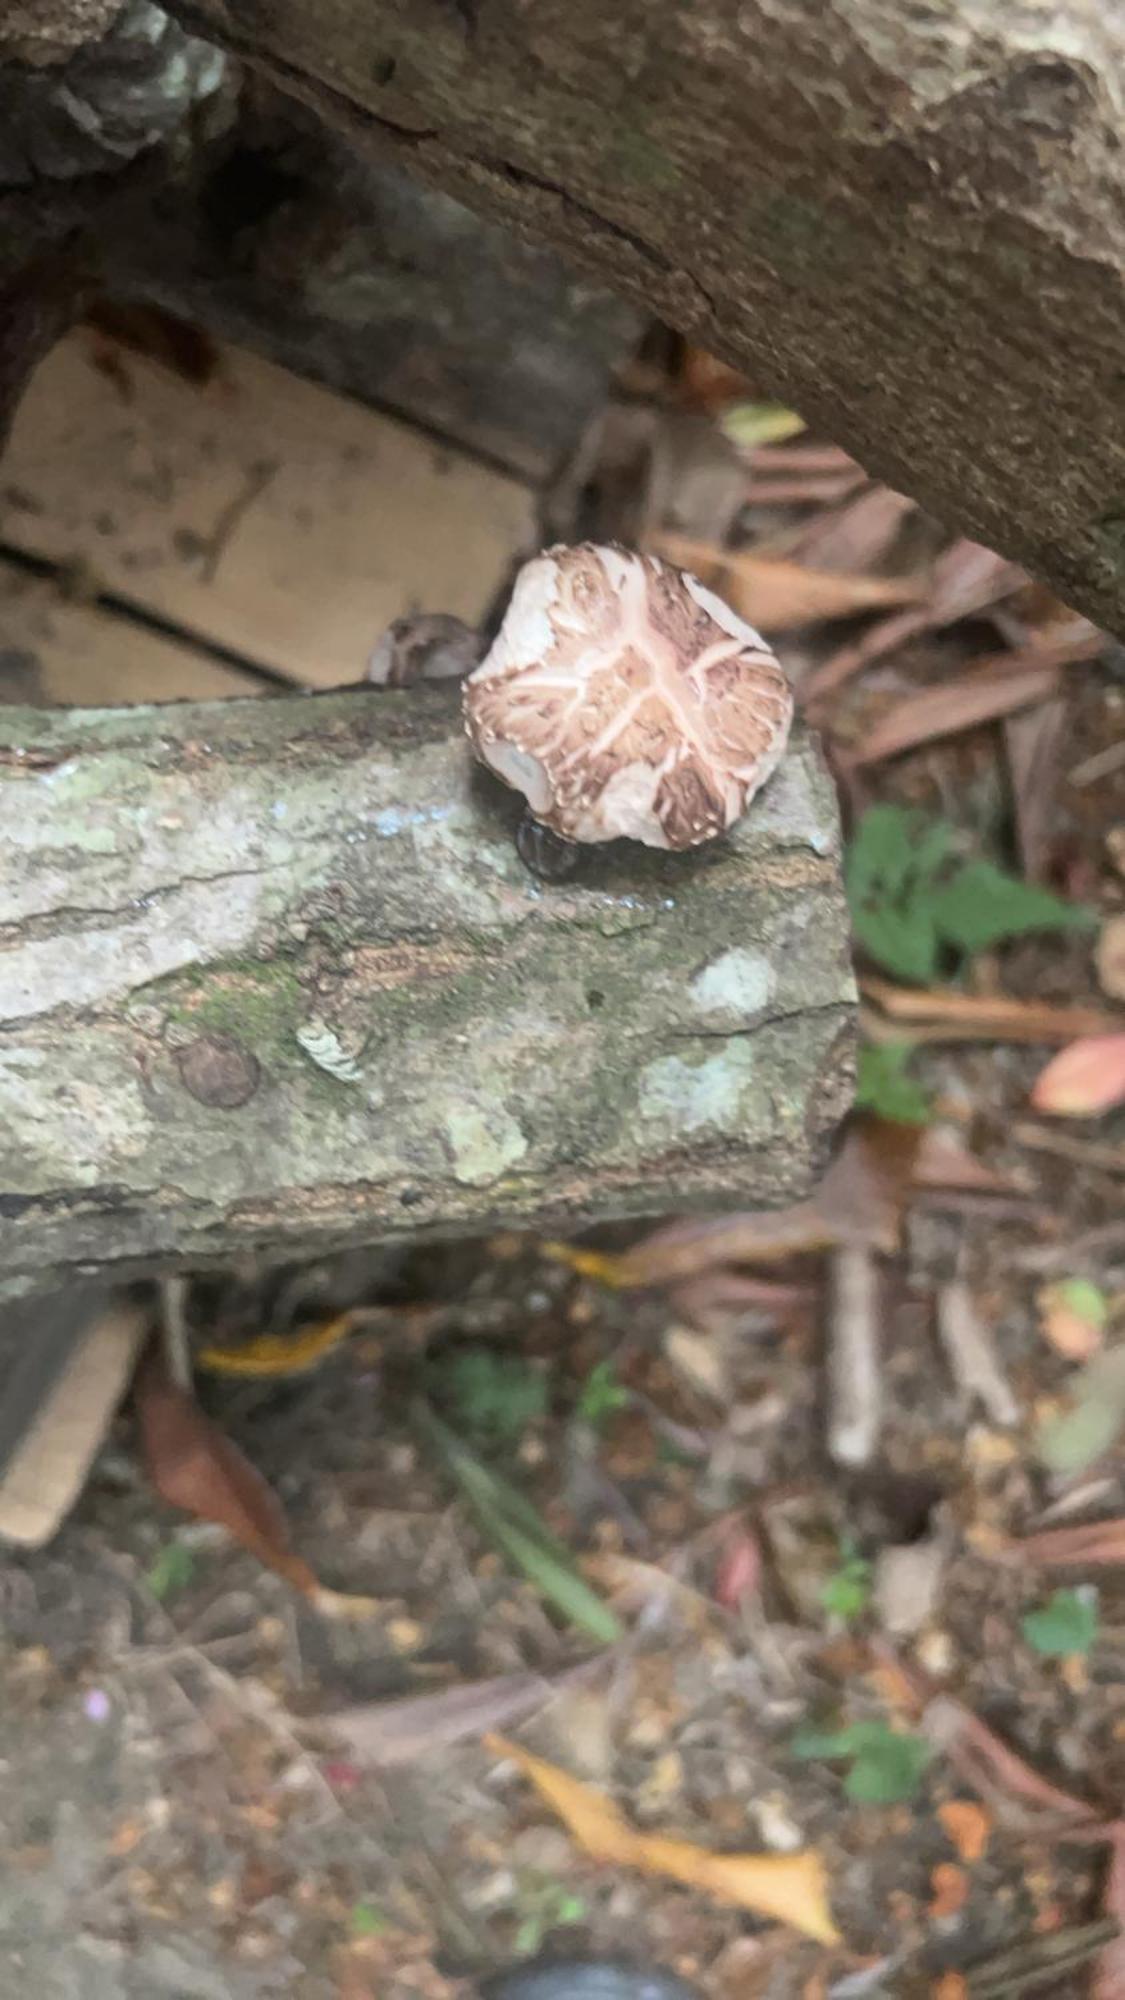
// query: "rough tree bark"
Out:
[907,219]
[272,976]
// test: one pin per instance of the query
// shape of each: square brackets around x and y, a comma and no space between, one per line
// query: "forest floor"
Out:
[766,1544]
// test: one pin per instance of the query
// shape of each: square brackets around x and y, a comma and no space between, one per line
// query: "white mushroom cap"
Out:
[622,698]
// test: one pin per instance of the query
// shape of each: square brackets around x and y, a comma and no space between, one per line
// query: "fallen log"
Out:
[273,977]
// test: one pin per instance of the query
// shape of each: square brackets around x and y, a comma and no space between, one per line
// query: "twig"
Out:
[855,1385]
[969,1352]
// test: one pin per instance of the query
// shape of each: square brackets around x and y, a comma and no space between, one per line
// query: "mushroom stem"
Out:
[544,853]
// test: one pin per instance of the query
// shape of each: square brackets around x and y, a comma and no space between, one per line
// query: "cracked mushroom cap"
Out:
[623,699]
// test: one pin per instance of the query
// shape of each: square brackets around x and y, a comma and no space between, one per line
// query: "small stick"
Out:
[969,1352]
[855,1379]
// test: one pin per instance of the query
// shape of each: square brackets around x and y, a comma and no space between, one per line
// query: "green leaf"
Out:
[888,1768]
[172,1571]
[367,1921]
[1073,1440]
[884,1086]
[848,1591]
[496,1394]
[1085,1300]
[880,853]
[983,905]
[1066,1624]
[513,1525]
[601,1395]
[903,941]
[886,1764]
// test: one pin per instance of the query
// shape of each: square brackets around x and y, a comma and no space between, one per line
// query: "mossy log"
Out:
[273,977]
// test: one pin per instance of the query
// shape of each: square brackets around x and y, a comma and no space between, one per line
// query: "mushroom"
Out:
[624,699]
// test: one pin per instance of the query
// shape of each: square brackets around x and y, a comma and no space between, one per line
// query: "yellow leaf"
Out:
[279,1354]
[587,1263]
[789,1887]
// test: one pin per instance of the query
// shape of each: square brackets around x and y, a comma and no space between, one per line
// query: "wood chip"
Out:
[254,509]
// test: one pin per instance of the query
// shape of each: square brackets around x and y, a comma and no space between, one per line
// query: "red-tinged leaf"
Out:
[1083,1080]
[1016,1794]
[994,688]
[967,579]
[195,1467]
[1061,1548]
[740,1570]
[342,1776]
[853,537]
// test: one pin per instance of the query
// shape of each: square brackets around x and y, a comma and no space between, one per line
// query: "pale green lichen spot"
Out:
[736,985]
[482,1143]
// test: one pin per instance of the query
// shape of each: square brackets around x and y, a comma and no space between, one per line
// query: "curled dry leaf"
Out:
[789,1887]
[1083,1080]
[195,1467]
[280,1354]
[852,537]
[776,595]
[997,686]
[968,578]
[859,1200]
[1061,1548]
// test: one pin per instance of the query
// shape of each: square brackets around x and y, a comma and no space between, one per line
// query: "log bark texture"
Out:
[907,219]
[272,976]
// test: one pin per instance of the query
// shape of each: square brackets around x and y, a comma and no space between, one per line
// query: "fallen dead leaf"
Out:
[194,1466]
[858,1201]
[1015,1793]
[390,1733]
[968,1827]
[791,1888]
[951,1986]
[1060,1548]
[775,595]
[280,1354]
[852,537]
[1083,1080]
[950,1886]
[997,686]
[968,578]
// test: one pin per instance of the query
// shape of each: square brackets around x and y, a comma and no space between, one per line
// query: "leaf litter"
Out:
[980,890]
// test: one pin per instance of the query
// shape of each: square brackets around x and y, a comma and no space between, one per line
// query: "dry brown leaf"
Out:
[399,1732]
[968,1826]
[941,1161]
[804,489]
[775,595]
[1033,741]
[1017,1796]
[1060,1548]
[1109,957]
[940,1014]
[195,1467]
[951,1986]
[967,578]
[799,458]
[859,1200]
[853,537]
[995,687]
[791,1888]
